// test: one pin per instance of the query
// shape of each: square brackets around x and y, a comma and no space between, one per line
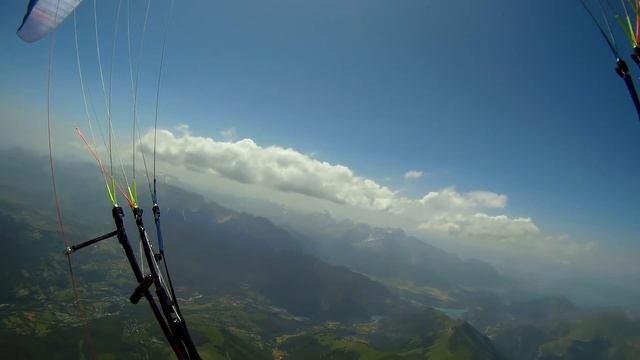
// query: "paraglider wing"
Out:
[43,16]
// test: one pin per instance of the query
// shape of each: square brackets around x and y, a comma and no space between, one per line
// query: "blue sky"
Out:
[516,98]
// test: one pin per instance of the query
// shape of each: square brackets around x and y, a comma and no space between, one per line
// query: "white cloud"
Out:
[464,214]
[470,216]
[488,199]
[413,175]
[480,225]
[229,134]
[183,129]
[449,200]
[288,170]
[274,167]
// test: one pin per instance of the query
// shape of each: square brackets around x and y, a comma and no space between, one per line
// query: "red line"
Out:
[83,318]
[103,169]
[51,163]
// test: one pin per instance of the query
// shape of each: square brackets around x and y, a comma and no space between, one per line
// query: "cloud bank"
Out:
[275,167]
[475,216]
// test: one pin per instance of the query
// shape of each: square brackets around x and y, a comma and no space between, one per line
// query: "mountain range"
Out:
[310,287]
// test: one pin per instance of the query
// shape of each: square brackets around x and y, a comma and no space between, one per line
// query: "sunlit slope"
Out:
[421,335]
[606,337]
